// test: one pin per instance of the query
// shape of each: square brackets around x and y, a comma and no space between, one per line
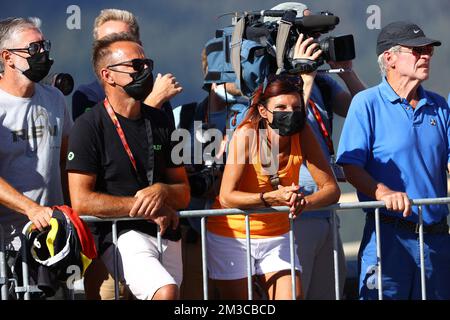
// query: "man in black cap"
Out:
[395,147]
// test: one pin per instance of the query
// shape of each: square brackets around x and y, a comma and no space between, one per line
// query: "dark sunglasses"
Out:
[294,80]
[34,47]
[137,65]
[418,51]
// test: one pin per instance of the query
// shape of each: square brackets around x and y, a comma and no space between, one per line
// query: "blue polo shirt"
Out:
[406,149]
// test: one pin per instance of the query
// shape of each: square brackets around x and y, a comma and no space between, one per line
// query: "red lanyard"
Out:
[322,127]
[120,132]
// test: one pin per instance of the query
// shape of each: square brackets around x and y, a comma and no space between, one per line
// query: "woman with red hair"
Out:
[264,159]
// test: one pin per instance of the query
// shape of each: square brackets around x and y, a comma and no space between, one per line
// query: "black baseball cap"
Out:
[402,33]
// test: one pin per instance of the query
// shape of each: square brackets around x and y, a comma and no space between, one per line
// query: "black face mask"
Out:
[40,64]
[288,122]
[141,85]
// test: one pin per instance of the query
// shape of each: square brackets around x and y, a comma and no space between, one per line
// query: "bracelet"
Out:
[261,196]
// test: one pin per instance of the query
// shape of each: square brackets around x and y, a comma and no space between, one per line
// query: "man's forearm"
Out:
[353,83]
[103,205]
[363,181]
[179,195]
[13,199]
[308,83]
[325,196]
[153,101]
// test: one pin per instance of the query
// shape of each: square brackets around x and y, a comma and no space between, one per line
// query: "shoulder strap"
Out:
[123,139]
[236,44]
[151,151]
[325,91]
[120,132]
[285,25]
[323,129]
[283,33]
[274,179]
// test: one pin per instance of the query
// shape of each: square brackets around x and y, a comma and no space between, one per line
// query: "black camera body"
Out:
[206,181]
[334,48]
[62,81]
[205,177]
[341,48]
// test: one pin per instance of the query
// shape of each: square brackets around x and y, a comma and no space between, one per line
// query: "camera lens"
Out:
[64,82]
[200,183]
[324,45]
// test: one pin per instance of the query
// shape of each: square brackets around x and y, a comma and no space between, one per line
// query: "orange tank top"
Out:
[253,180]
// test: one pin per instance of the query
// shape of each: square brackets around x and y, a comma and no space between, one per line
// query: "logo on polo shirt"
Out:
[70,156]
[433,122]
[157,147]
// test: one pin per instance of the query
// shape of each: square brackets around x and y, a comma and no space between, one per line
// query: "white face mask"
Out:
[228,97]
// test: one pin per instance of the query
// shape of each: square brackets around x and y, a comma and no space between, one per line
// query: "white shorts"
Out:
[139,266]
[227,258]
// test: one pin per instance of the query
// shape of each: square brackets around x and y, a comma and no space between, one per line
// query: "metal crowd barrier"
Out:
[203,214]
[25,288]
[4,280]
[3,274]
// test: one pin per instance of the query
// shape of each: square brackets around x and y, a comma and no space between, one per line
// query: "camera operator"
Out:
[165,86]
[313,230]
[213,112]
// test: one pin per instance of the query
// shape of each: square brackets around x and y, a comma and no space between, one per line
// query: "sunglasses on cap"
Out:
[137,64]
[34,47]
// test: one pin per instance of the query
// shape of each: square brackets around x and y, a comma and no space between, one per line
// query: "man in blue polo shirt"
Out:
[395,147]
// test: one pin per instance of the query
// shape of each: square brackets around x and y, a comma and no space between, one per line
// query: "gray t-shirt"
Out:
[31,133]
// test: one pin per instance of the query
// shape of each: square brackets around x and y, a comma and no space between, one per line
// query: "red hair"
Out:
[278,86]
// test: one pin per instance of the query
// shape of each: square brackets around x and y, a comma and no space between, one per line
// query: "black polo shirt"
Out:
[95,147]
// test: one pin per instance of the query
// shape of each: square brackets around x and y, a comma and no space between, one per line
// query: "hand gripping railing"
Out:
[334,208]
[275,210]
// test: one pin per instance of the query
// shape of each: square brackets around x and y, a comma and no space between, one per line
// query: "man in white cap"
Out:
[314,230]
